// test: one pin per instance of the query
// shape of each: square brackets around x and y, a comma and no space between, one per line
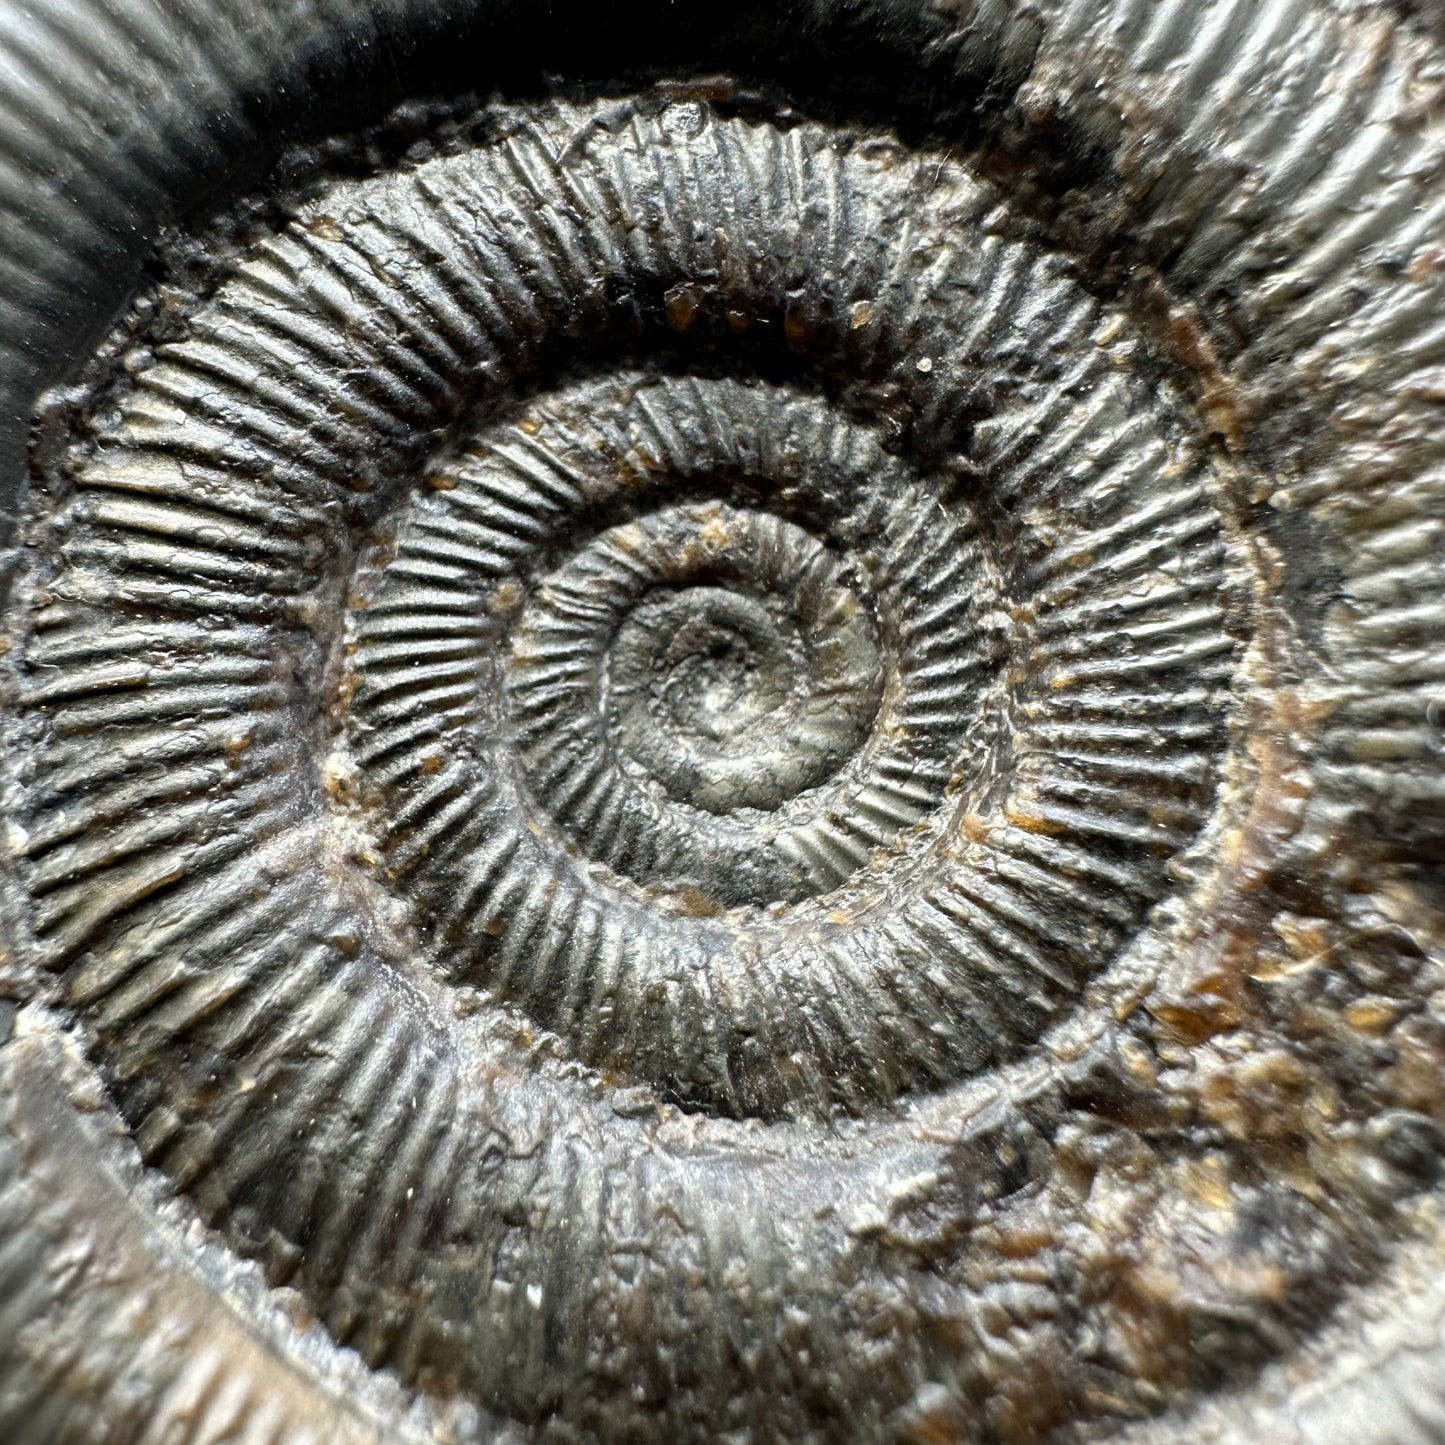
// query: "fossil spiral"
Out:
[730,756]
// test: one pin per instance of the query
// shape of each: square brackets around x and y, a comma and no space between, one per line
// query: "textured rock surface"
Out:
[744,755]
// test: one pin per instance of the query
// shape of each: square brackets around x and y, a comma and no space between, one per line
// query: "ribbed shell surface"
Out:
[745,744]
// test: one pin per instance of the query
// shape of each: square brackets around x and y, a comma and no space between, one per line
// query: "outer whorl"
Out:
[714,759]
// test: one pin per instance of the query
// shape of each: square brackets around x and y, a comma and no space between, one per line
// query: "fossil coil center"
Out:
[721,666]
[712,657]
[697,714]
[716,694]
[726,656]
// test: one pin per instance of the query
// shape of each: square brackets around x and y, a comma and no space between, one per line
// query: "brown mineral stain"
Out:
[1110,331]
[1259,1096]
[1178,331]
[1293,1164]
[1218,395]
[715,532]
[1427,263]
[346,688]
[1031,822]
[1203,991]
[339,781]
[1308,939]
[1426,385]
[708,88]
[1142,1066]
[1413,1081]
[1031,1405]
[1195,1018]
[1151,1330]
[797,328]
[1206,1181]
[696,903]
[325,227]
[238,744]
[505,595]
[934,1417]
[1374,1016]
[435,1383]
[1280,795]
[1020,1240]
[681,307]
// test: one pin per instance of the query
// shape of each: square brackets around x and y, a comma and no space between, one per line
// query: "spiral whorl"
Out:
[660,739]
[835,728]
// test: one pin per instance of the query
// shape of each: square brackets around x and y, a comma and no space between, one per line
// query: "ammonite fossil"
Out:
[723,726]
